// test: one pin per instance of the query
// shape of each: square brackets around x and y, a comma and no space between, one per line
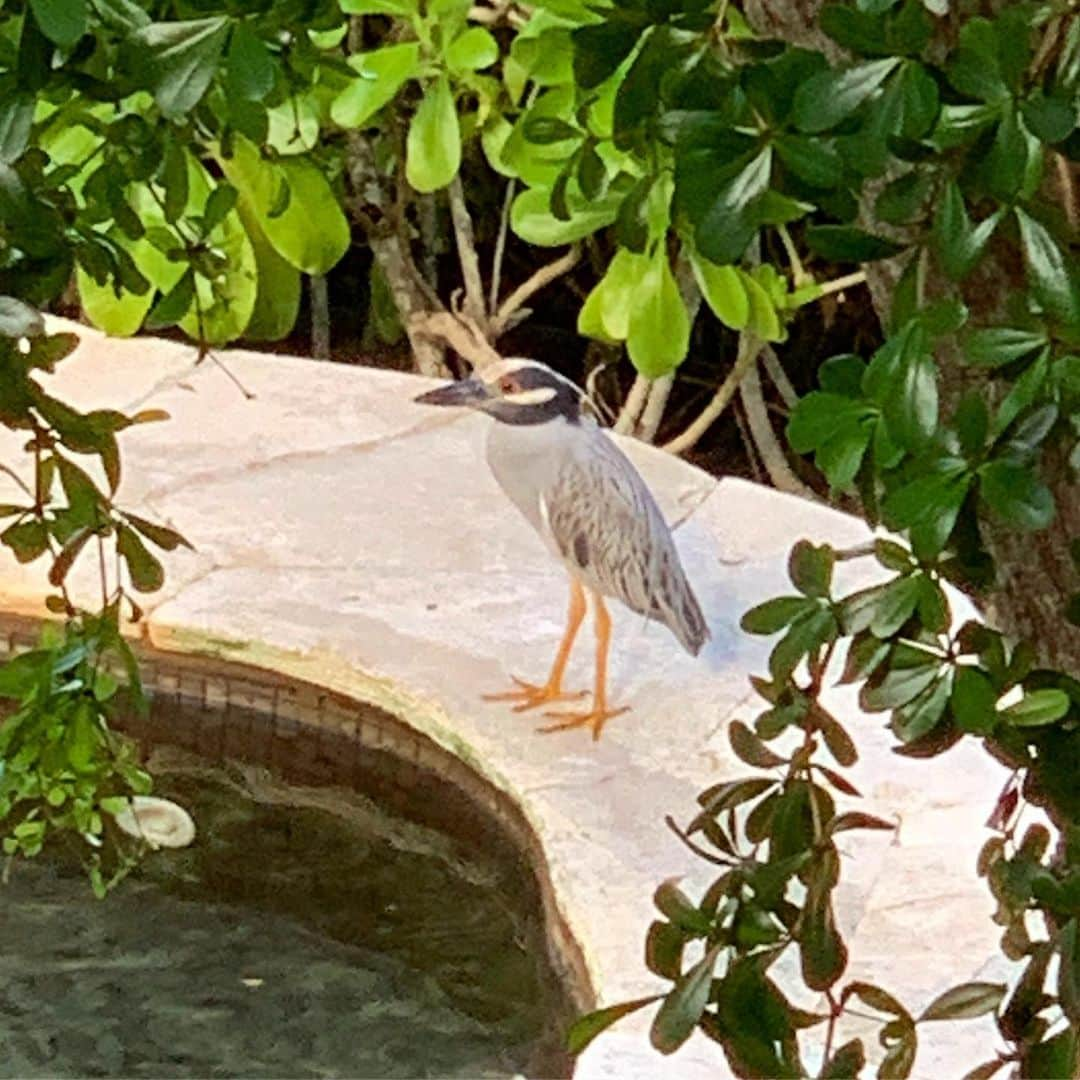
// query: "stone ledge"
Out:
[348,539]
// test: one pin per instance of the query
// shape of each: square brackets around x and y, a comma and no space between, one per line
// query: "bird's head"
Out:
[513,391]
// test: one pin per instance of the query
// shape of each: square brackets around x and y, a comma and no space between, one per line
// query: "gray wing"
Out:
[608,527]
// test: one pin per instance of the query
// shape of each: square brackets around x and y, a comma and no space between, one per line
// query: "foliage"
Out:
[63,772]
[955,130]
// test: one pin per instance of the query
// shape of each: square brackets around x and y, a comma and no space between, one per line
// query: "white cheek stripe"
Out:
[538,396]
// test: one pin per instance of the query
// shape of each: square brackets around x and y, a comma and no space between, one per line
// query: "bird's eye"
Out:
[508,386]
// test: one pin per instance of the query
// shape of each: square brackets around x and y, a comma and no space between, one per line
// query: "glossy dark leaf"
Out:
[63,22]
[174,305]
[249,67]
[856,820]
[973,701]
[806,634]
[772,616]
[584,1030]
[749,748]
[965,1002]
[810,568]
[16,120]
[829,97]
[895,605]
[1068,981]
[1038,708]
[146,572]
[898,687]
[821,949]
[165,538]
[68,554]
[671,901]
[1014,493]
[1051,273]
[846,1063]
[181,59]
[847,243]
[682,1008]
[838,741]
[664,945]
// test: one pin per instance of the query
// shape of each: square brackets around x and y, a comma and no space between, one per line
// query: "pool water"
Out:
[306,933]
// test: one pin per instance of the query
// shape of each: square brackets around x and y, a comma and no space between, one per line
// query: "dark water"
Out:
[306,933]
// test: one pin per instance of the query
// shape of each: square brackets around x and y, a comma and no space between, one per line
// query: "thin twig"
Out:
[500,244]
[17,478]
[747,354]
[543,277]
[466,249]
[659,392]
[764,438]
[1068,189]
[320,317]
[775,370]
[841,283]
[632,406]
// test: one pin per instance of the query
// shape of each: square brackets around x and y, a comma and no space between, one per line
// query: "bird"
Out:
[592,509]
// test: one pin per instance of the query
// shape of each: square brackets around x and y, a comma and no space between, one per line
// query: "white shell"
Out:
[159,822]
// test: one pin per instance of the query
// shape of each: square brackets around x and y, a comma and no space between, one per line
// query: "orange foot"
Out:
[595,718]
[529,696]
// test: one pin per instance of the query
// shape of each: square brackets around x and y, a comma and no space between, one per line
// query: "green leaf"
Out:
[846,243]
[821,949]
[380,75]
[854,819]
[899,686]
[1051,274]
[682,1008]
[310,250]
[930,504]
[806,634]
[174,305]
[911,409]
[27,540]
[723,290]
[146,572]
[606,312]
[829,97]
[973,701]
[847,1063]
[1037,708]
[810,568]
[174,176]
[813,160]
[664,946]
[1056,1057]
[433,146]
[399,8]
[16,120]
[965,1002]
[586,1028]
[1016,494]
[895,605]
[181,59]
[674,903]
[773,615]
[957,244]
[249,67]
[532,220]
[63,22]
[1068,984]
[749,748]
[165,538]
[473,50]
[658,333]
[999,345]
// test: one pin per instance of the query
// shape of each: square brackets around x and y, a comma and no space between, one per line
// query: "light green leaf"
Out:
[724,291]
[605,315]
[532,219]
[380,75]
[472,51]
[433,146]
[658,334]
[400,8]
[277,296]
[312,232]
[1037,708]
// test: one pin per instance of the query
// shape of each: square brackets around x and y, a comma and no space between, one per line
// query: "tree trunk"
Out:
[1036,573]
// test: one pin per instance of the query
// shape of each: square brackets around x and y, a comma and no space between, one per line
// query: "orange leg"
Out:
[530,696]
[600,712]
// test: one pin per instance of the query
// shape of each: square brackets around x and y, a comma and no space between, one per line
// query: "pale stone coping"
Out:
[350,538]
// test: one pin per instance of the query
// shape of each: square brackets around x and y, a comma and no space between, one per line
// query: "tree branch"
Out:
[632,406]
[659,392]
[747,354]
[543,277]
[764,438]
[466,249]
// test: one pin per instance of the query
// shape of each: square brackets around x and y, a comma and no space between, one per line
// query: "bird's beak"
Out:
[467,392]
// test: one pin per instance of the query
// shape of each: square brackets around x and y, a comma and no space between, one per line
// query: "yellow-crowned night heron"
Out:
[588,503]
